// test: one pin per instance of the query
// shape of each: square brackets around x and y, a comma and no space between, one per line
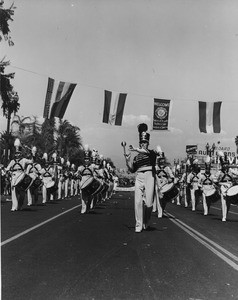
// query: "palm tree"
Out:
[69,142]
[5,17]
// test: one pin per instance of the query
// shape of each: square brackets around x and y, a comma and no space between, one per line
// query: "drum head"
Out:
[167,187]
[209,191]
[86,180]
[19,178]
[50,184]
[232,191]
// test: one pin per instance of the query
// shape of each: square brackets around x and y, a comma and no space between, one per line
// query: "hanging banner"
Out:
[161,114]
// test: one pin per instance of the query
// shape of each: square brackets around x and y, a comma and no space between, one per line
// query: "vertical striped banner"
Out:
[48,97]
[114,104]
[209,117]
[61,92]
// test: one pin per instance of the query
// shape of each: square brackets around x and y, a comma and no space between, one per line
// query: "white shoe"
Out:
[223,219]
[138,229]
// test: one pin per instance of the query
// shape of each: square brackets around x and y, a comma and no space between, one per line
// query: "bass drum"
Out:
[23,181]
[170,192]
[90,185]
[232,194]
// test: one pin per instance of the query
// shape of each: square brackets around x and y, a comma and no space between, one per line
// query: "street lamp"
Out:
[236,141]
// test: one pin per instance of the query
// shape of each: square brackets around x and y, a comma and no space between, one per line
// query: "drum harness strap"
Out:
[87,169]
[207,181]
[15,168]
[226,178]
[194,177]
[47,173]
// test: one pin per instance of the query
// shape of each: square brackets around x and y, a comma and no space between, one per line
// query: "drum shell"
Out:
[36,183]
[25,183]
[53,188]
[91,186]
[214,197]
[170,194]
[233,199]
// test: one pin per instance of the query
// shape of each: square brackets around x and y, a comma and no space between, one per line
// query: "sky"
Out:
[182,50]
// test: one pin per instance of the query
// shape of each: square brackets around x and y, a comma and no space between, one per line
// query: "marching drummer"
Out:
[66,179]
[144,166]
[164,175]
[61,177]
[46,177]
[33,170]
[192,180]
[86,171]
[207,182]
[225,179]
[17,168]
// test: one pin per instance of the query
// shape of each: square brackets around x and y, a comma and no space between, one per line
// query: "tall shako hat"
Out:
[17,145]
[208,162]
[87,152]
[144,136]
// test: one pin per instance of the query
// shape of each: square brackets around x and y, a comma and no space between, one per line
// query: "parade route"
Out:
[62,254]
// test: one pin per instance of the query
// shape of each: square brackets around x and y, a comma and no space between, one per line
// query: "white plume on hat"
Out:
[33,150]
[207,159]
[68,163]
[86,147]
[17,143]
[158,149]
[62,160]
[195,162]
[45,156]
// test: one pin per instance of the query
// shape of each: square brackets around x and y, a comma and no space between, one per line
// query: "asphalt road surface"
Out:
[54,252]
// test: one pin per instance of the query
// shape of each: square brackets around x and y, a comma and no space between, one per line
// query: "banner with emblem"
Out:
[161,114]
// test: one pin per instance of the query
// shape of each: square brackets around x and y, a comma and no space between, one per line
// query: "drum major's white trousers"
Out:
[145,182]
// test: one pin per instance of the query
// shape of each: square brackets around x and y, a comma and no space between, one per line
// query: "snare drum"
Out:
[51,186]
[232,194]
[170,192]
[37,182]
[212,194]
[23,181]
[90,185]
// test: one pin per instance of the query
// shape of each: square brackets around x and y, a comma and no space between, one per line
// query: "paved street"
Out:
[53,252]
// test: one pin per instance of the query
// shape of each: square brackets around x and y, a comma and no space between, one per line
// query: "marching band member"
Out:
[225,180]
[86,172]
[177,178]
[164,175]
[144,166]
[17,168]
[67,179]
[192,180]
[46,177]
[184,186]
[61,178]
[207,181]
[33,170]
[72,182]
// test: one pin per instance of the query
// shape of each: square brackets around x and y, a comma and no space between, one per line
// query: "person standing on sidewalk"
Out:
[144,165]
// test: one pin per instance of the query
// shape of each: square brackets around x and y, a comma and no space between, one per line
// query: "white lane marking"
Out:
[201,238]
[37,226]
[229,212]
